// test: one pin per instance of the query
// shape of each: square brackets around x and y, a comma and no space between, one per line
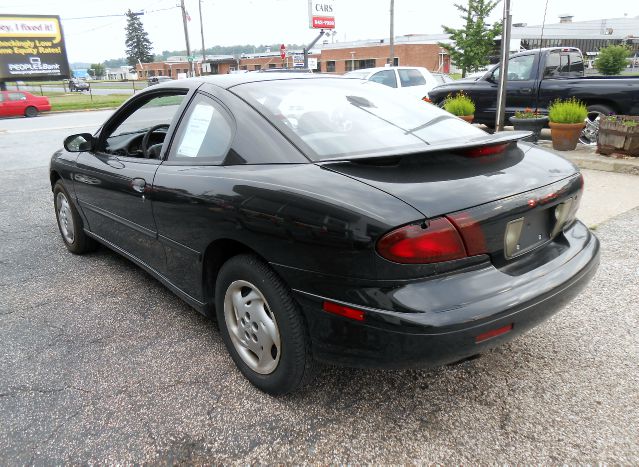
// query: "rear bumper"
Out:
[448,313]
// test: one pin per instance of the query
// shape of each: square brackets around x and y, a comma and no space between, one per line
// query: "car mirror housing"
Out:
[79,143]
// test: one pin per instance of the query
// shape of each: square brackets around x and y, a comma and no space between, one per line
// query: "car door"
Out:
[520,90]
[113,182]
[15,103]
[4,112]
[412,81]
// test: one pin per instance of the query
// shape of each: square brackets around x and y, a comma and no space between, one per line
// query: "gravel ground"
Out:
[100,363]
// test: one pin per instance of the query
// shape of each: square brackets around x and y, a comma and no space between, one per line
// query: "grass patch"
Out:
[61,101]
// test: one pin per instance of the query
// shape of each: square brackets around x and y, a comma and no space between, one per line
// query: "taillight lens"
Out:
[426,99]
[413,244]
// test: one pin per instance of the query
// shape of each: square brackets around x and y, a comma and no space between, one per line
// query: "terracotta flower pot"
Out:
[468,118]
[565,135]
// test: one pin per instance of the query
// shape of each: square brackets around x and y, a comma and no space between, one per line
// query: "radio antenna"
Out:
[541,40]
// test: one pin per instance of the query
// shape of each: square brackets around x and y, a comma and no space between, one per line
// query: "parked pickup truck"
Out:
[538,77]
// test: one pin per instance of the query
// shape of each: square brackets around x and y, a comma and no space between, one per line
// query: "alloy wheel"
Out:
[252,327]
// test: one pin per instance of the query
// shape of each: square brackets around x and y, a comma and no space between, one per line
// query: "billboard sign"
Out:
[321,14]
[32,47]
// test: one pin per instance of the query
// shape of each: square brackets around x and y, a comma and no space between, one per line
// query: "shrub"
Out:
[612,59]
[527,113]
[567,111]
[459,105]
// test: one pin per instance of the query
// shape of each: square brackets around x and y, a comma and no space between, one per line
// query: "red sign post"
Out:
[283,51]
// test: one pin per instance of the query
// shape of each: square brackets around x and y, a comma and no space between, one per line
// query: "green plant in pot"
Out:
[461,106]
[567,119]
[529,120]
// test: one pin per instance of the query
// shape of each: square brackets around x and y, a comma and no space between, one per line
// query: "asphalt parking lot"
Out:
[99,363]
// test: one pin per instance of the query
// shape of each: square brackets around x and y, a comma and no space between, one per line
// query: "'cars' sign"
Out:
[321,14]
[32,47]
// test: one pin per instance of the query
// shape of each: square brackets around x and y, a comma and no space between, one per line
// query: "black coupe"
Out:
[328,219]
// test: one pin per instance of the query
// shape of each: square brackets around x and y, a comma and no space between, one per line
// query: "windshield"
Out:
[337,118]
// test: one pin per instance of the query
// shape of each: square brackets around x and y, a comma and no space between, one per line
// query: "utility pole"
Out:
[392,33]
[186,35]
[202,33]
[503,68]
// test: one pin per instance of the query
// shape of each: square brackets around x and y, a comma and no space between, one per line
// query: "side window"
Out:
[576,63]
[205,133]
[386,77]
[17,96]
[411,77]
[153,112]
[520,68]
[552,65]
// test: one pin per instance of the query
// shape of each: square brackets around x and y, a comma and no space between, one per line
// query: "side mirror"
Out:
[79,143]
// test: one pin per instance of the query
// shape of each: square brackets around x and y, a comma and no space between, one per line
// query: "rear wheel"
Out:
[70,223]
[30,111]
[591,131]
[262,326]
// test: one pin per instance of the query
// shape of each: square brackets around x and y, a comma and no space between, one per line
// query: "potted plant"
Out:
[461,106]
[529,120]
[618,133]
[567,119]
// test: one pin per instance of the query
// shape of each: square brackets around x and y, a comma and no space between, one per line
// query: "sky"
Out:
[230,22]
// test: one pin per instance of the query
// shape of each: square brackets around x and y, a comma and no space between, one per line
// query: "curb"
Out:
[585,157]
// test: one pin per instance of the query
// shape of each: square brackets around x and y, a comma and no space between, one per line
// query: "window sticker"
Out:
[196,129]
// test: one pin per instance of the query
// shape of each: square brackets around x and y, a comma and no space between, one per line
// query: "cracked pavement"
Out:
[99,363]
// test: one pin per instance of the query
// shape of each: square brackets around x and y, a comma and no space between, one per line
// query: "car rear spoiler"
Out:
[503,137]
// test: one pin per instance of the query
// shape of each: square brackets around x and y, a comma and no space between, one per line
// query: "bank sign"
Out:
[32,47]
[321,14]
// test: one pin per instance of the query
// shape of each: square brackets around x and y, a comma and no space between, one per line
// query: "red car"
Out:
[13,103]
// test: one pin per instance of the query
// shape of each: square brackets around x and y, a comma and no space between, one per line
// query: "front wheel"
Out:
[262,326]
[590,133]
[70,223]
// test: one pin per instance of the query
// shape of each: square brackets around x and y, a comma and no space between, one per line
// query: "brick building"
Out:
[171,67]
[412,50]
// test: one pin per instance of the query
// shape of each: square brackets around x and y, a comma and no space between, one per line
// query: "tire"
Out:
[591,131]
[286,364]
[70,223]
[30,111]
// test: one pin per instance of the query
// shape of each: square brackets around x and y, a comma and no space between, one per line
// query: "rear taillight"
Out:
[414,244]
[426,99]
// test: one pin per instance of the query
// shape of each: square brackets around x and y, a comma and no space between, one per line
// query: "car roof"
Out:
[230,80]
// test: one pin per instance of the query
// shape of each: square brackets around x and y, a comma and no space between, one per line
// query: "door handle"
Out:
[138,184]
[525,90]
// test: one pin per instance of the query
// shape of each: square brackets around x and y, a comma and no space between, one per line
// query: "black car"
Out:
[324,219]
[78,85]
[153,80]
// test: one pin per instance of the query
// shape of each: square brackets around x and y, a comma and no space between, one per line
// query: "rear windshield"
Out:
[336,118]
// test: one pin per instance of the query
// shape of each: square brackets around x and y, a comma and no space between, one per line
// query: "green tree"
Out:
[138,45]
[612,59]
[473,43]
[97,70]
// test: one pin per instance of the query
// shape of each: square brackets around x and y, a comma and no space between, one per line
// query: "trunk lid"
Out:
[442,182]
[504,205]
